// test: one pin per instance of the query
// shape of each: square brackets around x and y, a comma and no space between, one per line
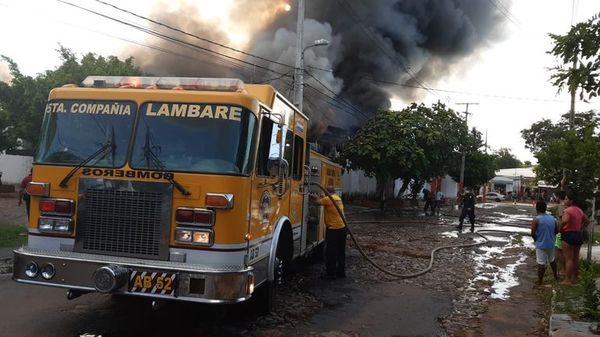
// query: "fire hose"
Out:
[432,255]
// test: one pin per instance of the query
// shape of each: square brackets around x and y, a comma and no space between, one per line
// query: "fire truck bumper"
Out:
[136,277]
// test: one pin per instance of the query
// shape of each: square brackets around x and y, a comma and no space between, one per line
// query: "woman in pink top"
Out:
[572,223]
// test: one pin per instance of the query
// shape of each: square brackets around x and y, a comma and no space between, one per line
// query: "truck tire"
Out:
[266,292]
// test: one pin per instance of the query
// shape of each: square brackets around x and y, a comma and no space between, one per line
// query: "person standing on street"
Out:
[543,230]
[572,224]
[335,236]
[560,208]
[427,199]
[439,196]
[23,195]
[468,208]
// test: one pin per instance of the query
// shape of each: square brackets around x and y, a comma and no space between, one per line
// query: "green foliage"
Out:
[580,301]
[591,295]
[12,235]
[582,42]
[504,159]
[540,134]
[479,167]
[413,142]
[22,100]
[416,144]
[578,155]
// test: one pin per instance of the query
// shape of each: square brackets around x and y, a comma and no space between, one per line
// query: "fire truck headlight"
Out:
[48,271]
[31,269]
[46,224]
[62,225]
[201,237]
[51,224]
[183,235]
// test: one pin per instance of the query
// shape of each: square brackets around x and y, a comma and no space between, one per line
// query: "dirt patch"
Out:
[524,313]
[10,212]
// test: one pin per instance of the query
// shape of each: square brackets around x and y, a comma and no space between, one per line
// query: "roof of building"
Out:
[525,172]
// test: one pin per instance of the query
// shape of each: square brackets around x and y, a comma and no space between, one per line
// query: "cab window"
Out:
[298,163]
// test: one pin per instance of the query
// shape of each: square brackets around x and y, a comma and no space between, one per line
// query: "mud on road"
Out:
[459,297]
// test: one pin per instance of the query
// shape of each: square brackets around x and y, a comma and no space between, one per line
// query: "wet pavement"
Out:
[469,292]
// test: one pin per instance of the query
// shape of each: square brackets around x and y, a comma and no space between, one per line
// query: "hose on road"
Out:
[392,273]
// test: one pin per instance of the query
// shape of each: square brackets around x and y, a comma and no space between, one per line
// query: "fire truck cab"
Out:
[188,189]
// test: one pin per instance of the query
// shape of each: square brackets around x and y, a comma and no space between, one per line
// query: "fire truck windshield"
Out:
[194,137]
[73,130]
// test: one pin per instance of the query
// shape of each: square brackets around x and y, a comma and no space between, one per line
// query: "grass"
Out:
[596,237]
[12,236]
[570,299]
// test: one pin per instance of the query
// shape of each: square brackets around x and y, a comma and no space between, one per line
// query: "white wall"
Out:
[14,168]
[449,187]
[355,182]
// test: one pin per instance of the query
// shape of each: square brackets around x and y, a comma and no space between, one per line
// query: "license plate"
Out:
[152,282]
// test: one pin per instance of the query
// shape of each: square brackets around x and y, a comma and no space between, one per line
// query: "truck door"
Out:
[297,196]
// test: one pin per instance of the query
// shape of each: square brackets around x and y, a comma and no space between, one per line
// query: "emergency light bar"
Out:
[176,83]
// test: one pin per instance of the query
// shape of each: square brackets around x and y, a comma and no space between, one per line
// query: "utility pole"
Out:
[462,161]
[299,71]
[571,122]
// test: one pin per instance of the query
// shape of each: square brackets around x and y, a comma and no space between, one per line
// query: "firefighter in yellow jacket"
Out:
[335,236]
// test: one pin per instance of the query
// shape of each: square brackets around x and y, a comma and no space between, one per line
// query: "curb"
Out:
[562,325]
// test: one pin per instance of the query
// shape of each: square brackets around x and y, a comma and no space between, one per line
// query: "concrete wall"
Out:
[355,182]
[449,187]
[14,168]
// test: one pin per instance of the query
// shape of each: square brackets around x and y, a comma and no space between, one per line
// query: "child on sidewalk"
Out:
[543,230]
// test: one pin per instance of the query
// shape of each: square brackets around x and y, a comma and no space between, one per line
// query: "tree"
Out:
[578,155]
[22,101]
[479,167]
[540,134]
[581,43]
[385,146]
[415,144]
[504,159]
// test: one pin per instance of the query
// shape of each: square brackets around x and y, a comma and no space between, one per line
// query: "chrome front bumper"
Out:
[227,284]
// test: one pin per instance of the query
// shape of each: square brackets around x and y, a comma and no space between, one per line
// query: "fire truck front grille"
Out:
[124,223]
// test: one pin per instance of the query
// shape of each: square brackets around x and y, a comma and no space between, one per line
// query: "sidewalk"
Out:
[562,325]
[6,253]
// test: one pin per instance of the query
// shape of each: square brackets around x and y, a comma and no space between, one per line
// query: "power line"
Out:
[505,12]
[275,78]
[169,38]
[192,35]
[200,37]
[349,104]
[340,104]
[469,93]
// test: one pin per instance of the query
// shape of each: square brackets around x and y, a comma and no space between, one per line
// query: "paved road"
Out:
[29,311]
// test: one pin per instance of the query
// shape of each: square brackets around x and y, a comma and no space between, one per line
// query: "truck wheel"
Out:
[266,293]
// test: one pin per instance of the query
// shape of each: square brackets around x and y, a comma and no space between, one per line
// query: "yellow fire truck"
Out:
[192,189]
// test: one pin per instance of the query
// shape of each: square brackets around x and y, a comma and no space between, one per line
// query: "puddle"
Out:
[506,279]
[496,262]
[450,234]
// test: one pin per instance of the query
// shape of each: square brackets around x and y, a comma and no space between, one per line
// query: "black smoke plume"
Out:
[415,42]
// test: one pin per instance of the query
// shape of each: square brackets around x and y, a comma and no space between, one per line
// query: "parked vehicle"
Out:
[185,189]
[492,196]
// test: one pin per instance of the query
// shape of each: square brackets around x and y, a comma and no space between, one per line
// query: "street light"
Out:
[300,72]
